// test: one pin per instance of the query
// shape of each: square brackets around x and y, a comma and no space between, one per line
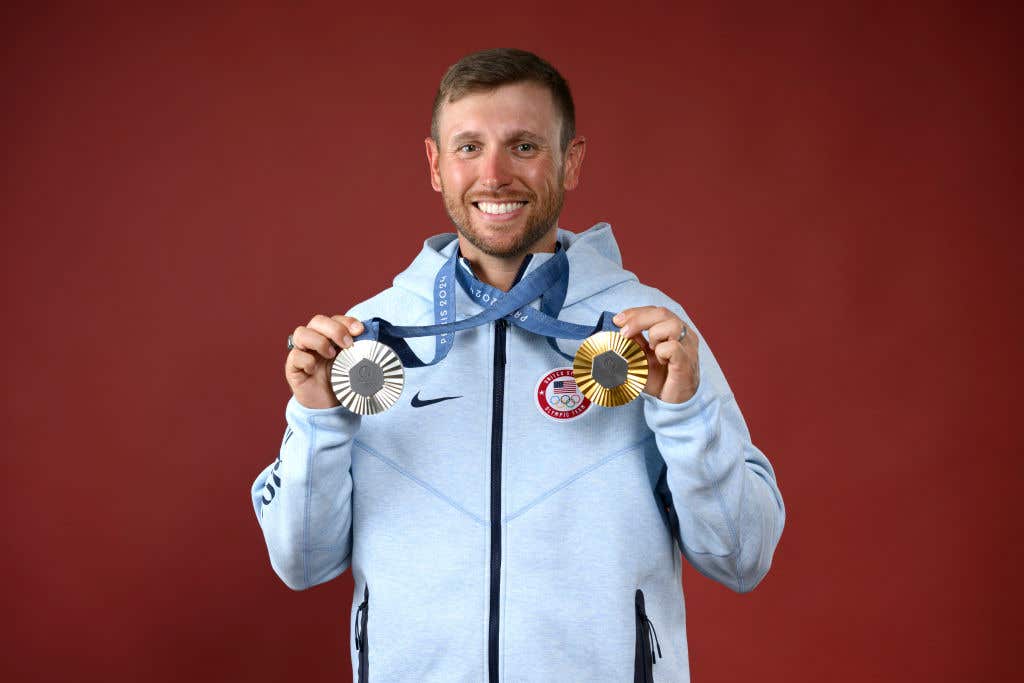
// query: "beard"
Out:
[541,217]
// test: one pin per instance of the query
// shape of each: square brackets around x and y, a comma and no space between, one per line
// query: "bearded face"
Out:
[500,168]
[507,223]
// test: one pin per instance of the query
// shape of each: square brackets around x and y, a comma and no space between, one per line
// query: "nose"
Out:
[495,172]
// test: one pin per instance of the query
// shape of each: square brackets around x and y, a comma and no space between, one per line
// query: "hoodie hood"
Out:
[595,263]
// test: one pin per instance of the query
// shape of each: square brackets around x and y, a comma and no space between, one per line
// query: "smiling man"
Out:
[500,525]
[502,160]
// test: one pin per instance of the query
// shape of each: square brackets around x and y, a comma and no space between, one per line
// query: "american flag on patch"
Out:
[565,386]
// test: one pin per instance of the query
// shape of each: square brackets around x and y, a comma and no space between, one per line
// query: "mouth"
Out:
[500,210]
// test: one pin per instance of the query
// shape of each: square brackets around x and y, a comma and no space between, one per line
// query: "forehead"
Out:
[516,106]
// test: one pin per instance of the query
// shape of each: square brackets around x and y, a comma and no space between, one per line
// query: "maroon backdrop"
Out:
[827,190]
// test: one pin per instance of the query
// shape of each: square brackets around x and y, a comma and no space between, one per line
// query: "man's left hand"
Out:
[673,369]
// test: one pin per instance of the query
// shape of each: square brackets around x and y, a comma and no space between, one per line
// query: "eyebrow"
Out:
[521,134]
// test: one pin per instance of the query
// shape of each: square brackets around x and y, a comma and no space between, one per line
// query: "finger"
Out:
[649,351]
[310,340]
[332,329]
[669,351]
[666,330]
[623,317]
[638,319]
[691,338]
[354,325]
[300,361]
[642,341]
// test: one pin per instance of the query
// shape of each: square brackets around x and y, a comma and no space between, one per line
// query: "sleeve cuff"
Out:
[657,411]
[338,418]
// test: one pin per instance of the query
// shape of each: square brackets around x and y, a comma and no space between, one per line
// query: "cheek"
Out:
[546,186]
[543,176]
[457,177]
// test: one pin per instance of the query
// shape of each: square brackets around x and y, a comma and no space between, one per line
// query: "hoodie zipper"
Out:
[497,419]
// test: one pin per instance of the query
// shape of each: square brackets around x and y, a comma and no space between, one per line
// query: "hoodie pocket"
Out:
[646,642]
[362,641]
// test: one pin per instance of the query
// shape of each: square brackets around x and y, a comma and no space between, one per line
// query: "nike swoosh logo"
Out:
[418,403]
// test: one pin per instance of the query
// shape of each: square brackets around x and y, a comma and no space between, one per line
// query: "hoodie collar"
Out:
[595,263]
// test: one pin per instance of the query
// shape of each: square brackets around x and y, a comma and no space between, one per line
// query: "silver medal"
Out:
[367,377]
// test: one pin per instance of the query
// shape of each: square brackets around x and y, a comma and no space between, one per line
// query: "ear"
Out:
[433,158]
[574,154]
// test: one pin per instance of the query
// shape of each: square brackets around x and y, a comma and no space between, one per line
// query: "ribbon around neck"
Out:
[549,282]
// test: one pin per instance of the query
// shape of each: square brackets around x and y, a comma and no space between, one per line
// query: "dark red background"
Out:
[831,192]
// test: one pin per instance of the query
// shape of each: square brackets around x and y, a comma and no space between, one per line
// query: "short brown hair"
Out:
[488,69]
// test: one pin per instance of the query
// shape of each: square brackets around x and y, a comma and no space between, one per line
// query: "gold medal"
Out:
[610,370]
[367,377]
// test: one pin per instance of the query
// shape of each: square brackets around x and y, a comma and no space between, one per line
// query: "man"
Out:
[499,526]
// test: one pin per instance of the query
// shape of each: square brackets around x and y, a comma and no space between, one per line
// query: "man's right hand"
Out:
[308,367]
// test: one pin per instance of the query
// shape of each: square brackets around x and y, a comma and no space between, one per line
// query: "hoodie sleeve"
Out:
[303,501]
[723,490]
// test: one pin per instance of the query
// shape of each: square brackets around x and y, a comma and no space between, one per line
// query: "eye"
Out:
[468,147]
[525,147]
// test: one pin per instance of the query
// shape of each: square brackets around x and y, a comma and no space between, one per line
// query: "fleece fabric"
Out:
[491,540]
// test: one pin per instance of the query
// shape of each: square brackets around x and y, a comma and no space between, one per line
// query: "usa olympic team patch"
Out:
[558,397]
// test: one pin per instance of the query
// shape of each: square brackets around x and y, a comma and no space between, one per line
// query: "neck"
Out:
[500,271]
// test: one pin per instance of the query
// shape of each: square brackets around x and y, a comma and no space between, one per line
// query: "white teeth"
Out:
[492,208]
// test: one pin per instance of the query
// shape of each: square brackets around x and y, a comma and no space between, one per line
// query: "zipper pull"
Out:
[359,624]
[361,618]
[651,630]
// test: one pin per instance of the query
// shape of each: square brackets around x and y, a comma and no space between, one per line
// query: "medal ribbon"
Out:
[549,282]
[543,321]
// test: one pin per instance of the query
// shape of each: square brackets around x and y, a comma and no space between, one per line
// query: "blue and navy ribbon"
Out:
[549,282]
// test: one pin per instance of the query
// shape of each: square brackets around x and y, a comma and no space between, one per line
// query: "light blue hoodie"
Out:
[491,541]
